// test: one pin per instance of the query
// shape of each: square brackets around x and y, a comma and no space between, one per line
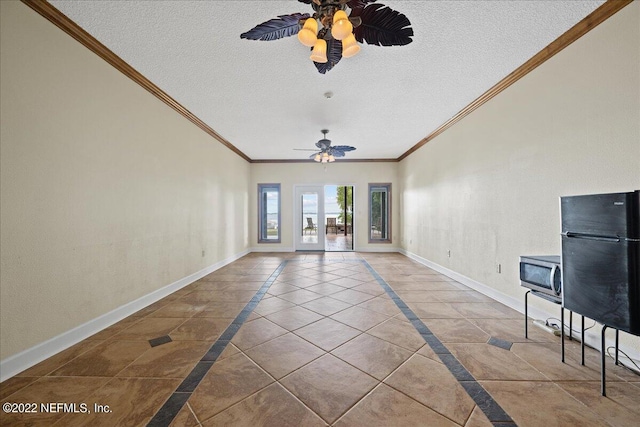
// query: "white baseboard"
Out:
[480,287]
[270,248]
[592,339]
[381,248]
[377,248]
[31,356]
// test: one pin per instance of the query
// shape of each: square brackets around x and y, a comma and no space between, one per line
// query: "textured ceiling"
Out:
[267,98]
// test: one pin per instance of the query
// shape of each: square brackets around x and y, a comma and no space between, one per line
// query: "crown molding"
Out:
[339,161]
[60,20]
[591,21]
[56,17]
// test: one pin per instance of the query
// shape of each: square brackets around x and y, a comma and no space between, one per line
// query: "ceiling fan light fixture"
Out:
[319,53]
[341,27]
[308,34]
[328,153]
[334,22]
[350,46]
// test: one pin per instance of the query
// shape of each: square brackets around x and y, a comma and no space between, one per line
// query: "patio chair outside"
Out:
[310,226]
[331,223]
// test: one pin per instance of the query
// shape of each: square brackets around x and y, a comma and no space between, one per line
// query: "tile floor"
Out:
[344,339]
[338,242]
[333,242]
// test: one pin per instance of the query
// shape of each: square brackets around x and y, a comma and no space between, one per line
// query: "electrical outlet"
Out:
[203,253]
[499,268]
[449,253]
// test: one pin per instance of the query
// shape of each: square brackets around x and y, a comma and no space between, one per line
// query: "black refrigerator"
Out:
[601,258]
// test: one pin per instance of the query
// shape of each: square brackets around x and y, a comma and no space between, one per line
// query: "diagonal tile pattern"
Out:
[284,354]
[325,339]
[271,406]
[442,393]
[329,386]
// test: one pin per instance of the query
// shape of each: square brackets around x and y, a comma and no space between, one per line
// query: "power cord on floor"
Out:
[626,356]
[565,326]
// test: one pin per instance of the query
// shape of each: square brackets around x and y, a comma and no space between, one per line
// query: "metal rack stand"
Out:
[603,356]
[558,300]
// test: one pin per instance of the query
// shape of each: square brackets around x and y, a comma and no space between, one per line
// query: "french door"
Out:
[309,229]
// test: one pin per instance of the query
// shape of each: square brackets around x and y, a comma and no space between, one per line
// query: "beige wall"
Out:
[487,189]
[107,193]
[339,173]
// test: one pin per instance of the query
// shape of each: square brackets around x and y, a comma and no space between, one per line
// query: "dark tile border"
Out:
[176,401]
[169,410]
[480,396]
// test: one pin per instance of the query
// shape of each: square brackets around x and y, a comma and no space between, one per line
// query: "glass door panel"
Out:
[309,203]
[309,215]
[338,206]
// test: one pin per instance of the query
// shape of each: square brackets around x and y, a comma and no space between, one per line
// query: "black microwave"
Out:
[541,273]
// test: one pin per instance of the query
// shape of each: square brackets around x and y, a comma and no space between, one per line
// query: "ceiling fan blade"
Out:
[383,26]
[334,55]
[337,153]
[276,28]
[313,155]
[344,148]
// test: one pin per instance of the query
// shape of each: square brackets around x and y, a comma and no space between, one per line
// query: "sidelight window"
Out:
[268,213]
[379,213]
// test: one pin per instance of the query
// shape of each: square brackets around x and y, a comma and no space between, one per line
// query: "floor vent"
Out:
[160,340]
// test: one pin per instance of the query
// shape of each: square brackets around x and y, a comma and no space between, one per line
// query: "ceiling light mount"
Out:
[339,33]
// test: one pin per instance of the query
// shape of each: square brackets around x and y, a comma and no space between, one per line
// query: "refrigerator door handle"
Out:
[573,235]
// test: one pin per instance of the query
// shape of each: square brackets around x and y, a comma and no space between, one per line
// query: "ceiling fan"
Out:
[376,24]
[328,152]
